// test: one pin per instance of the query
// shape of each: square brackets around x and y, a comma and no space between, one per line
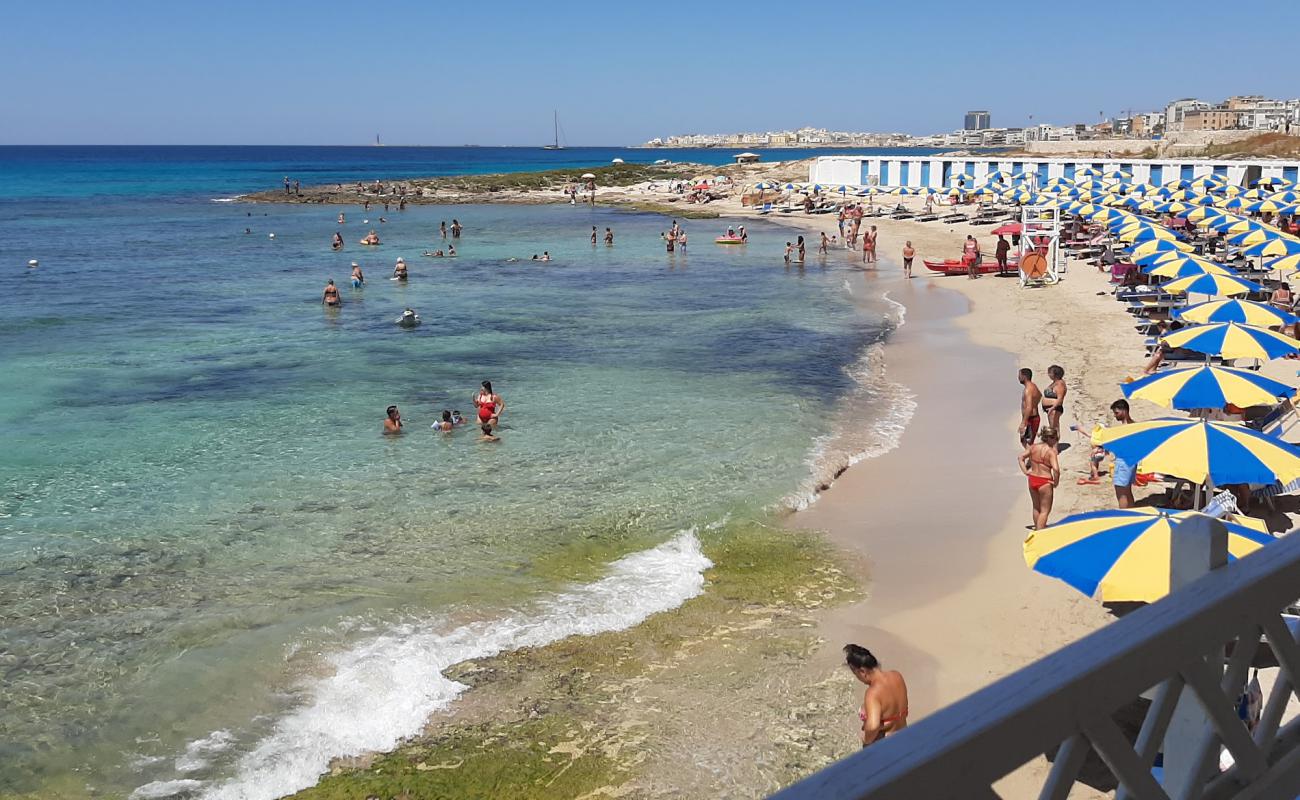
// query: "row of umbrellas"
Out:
[1123,554]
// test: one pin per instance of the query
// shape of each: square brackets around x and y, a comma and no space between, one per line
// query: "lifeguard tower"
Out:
[1041,260]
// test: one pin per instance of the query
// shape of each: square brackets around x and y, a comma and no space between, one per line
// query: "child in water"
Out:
[487,433]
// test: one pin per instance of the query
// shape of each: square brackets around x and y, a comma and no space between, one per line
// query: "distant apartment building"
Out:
[1051,133]
[976,121]
[1177,110]
[1217,118]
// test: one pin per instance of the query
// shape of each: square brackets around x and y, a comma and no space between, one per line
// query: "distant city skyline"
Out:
[323,73]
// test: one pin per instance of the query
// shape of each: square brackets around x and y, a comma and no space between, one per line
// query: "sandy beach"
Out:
[932,531]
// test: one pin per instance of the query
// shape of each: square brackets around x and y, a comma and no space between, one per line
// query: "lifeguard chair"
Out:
[1041,260]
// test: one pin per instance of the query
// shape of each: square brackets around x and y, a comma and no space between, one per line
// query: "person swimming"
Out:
[546,255]
[392,422]
[370,239]
[331,298]
[451,251]
[337,244]
[489,404]
[434,254]
[342,219]
[399,270]
[358,277]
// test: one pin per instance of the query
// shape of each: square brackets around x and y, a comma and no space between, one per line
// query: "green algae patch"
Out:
[720,685]
[549,757]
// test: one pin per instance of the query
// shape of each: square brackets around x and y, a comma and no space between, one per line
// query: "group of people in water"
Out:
[488,405]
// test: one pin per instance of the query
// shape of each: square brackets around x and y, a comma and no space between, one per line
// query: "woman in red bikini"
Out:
[884,706]
[1041,467]
[489,405]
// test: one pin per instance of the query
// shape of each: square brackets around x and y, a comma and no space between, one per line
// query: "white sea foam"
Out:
[888,405]
[161,789]
[384,690]
[223,199]
[199,752]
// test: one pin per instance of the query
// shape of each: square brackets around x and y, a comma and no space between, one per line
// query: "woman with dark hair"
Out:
[884,706]
[1054,396]
[489,404]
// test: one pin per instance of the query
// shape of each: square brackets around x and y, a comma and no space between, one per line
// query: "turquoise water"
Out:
[211,562]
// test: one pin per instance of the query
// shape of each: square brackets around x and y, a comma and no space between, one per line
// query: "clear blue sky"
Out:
[324,72]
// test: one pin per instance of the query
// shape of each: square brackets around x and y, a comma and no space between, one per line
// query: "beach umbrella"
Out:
[1087,172]
[1289,196]
[1203,212]
[1232,340]
[764,185]
[1242,311]
[996,176]
[1201,450]
[1287,262]
[1183,194]
[1119,175]
[587,176]
[1207,387]
[1266,206]
[1159,246]
[1121,554]
[1174,207]
[1212,283]
[1185,268]
[1255,236]
[1274,182]
[1141,233]
[1278,246]
[960,176]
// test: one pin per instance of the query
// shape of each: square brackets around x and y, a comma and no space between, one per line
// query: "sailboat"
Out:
[557,145]
[377,142]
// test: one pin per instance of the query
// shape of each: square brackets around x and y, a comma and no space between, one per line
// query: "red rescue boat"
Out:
[955,266]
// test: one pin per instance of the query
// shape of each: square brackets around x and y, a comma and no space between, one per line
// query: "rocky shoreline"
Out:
[644,187]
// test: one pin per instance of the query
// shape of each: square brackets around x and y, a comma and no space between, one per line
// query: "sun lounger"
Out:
[955,216]
[931,217]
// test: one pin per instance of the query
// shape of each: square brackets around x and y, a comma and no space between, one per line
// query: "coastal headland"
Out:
[914,553]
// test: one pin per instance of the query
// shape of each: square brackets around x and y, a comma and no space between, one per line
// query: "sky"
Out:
[617,72]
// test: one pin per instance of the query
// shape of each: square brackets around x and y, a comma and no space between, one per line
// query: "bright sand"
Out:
[941,518]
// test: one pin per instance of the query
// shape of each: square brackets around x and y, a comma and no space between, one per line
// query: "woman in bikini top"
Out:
[884,706]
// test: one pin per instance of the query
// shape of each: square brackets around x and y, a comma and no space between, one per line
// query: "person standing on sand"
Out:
[971,255]
[1040,466]
[884,705]
[843,214]
[286,184]
[1029,400]
[909,252]
[869,244]
[1000,252]
[297,189]
[1054,396]
[1124,475]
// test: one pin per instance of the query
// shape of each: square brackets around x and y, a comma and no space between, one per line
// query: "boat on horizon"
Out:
[556,145]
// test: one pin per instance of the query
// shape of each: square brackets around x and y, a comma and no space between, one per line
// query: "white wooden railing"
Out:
[1190,654]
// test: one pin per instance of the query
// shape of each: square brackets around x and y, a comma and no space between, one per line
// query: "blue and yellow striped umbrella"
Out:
[1231,340]
[1197,449]
[1159,246]
[1291,262]
[1181,265]
[1120,555]
[1212,283]
[1243,311]
[1207,387]
[1278,246]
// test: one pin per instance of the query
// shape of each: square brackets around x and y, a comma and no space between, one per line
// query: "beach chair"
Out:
[766,209]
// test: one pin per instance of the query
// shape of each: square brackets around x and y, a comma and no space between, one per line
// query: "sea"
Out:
[216,574]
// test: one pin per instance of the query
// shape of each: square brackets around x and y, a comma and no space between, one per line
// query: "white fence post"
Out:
[1198,544]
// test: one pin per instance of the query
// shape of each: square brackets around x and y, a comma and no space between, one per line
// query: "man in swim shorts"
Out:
[1029,400]
[1124,473]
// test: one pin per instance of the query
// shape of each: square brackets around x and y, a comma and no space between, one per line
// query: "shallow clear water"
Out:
[206,546]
